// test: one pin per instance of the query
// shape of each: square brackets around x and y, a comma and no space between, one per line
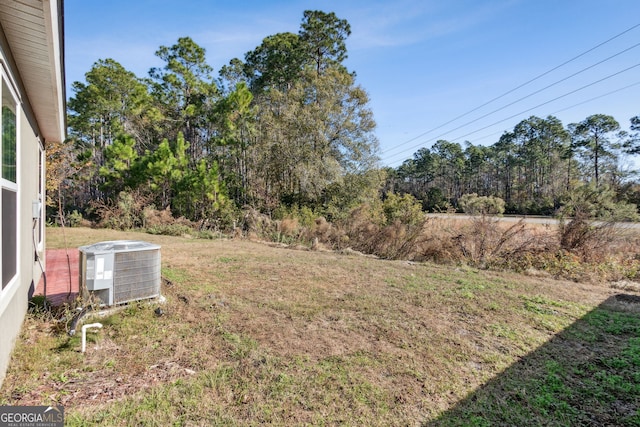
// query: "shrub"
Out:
[322,231]
[75,219]
[151,217]
[401,241]
[473,204]
[359,228]
[293,223]
[435,201]
[487,241]
[406,209]
[163,222]
[391,230]
[257,225]
[124,213]
[588,221]
[225,219]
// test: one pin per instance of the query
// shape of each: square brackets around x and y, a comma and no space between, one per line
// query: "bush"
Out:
[293,223]
[473,204]
[588,221]
[223,219]
[357,229]
[486,241]
[257,225]
[435,201]
[124,213]
[162,222]
[75,219]
[321,231]
[151,217]
[392,230]
[597,203]
[406,209]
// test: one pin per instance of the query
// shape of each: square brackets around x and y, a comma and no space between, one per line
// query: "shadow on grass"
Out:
[587,375]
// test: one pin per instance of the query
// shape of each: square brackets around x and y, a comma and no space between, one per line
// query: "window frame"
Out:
[7,84]
[39,237]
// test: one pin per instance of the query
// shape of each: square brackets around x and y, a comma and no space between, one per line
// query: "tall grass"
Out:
[579,248]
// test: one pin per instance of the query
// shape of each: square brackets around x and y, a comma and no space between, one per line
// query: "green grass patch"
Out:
[568,381]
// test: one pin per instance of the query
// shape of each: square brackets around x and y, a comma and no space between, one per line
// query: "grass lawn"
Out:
[256,334]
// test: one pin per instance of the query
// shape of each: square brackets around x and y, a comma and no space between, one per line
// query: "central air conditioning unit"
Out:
[120,271]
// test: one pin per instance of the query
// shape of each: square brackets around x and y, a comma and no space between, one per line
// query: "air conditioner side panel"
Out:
[137,275]
[97,275]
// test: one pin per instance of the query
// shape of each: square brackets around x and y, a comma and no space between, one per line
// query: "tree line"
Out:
[287,128]
[534,168]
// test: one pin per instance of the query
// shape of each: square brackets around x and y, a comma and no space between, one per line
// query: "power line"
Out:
[566,108]
[533,93]
[554,99]
[597,97]
[529,109]
[516,88]
[544,88]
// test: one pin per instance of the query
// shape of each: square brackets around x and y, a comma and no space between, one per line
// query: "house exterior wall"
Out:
[30,235]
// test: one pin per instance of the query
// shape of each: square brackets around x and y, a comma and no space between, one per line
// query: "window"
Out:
[8,137]
[9,185]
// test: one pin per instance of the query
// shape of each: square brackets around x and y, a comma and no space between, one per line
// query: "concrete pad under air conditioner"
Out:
[62,276]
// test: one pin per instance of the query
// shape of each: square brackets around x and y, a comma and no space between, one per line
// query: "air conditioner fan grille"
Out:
[136,275]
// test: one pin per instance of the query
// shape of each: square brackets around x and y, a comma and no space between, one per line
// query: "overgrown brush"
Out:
[580,248]
[589,221]
[125,213]
[391,230]
[162,222]
[486,241]
[133,211]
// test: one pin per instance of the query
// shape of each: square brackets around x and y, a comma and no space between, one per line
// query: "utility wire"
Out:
[552,100]
[597,97]
[529,109]
[532,93]
[516,88]
[563,109]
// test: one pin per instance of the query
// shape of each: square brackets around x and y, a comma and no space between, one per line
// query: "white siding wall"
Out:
[14,298]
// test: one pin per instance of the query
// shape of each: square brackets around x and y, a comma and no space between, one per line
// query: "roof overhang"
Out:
[34,31]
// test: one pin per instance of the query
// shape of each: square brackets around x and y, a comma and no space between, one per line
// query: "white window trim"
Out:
[8,78]
[6,294]
[3,182]
[41,197]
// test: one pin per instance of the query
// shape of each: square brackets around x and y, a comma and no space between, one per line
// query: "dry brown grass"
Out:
[608,253]
[257,334]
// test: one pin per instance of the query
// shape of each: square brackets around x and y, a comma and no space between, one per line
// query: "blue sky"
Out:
[429,66]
